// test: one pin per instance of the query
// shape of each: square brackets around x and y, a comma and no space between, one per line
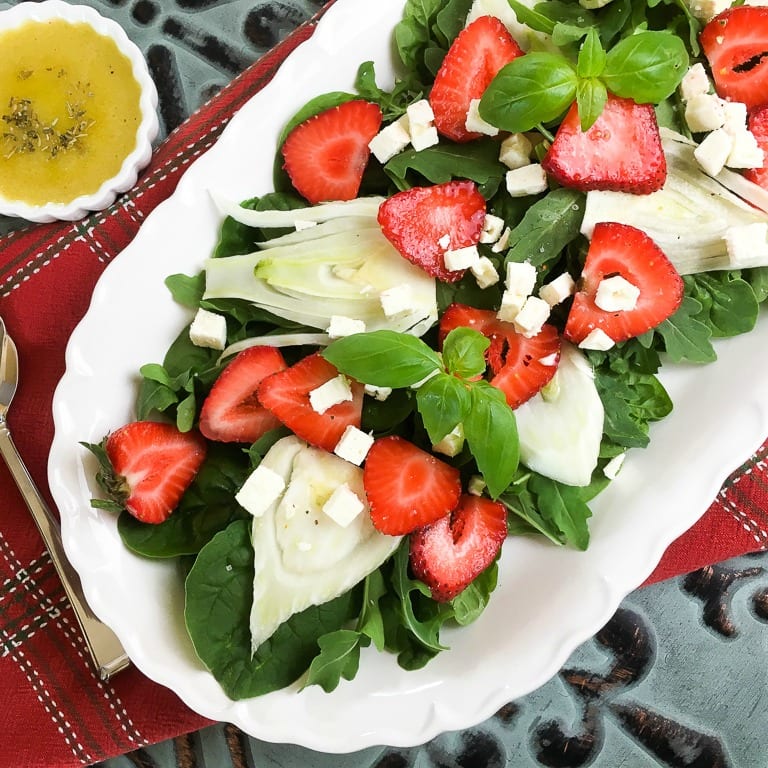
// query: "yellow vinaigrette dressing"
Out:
[69,111]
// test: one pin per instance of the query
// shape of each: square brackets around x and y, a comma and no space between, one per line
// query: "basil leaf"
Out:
[646,66]
[383,358]
[531,89]
[491,432]
[591,61]
[591,96]
[443,402]
[464,352]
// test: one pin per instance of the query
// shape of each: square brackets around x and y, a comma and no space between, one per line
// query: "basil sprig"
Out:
[450,391]
[540,86]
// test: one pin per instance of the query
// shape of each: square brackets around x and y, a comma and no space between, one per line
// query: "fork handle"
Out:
[106,651]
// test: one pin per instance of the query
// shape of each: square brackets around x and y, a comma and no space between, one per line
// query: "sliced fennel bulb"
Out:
[688,218]
[320,274]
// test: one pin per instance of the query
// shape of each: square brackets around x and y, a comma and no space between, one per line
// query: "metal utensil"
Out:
[105,649]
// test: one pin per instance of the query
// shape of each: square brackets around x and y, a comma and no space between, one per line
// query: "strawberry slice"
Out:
[520,366]
[620,249]
[286,395]
[232,412]
[621,151]
[479,51]
[406,486]
[757,122]
[424,222]
[451,552]
[735,43]
[326,155]
[152,465]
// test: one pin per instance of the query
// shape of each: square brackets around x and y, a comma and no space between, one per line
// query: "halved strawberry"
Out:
[620,249]
[479,51]
[326,155]
[520,366]
[757,122]
[286,394]
[451,552]
[621,151]
[231,412]
[406,486]
[424,222]
[152,465]
[735,43]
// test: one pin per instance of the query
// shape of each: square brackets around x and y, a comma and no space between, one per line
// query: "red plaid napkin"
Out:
[54,711]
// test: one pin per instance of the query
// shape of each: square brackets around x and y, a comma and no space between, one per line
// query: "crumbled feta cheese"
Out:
[558,290]
[502,242]
[695,82]
[511,304]
[475,123]
[390,140]
[344,326]
[461,258]
[445,242]
[712,153]
[420,113]
[735,114]
[746,152]
[611,469]
[515,151]
[747,244]
[529,179]
[520,278]
[423,136]
[485,273]
[208,329]
[616,294]
[452,443]
[706,10]
[704,112]
[262,488]
[532,316]
[396,299]
[550,360]
[343,505]
[597,339]
[353,445]
[378,393]
[493,226]
[332,392]
[476,485]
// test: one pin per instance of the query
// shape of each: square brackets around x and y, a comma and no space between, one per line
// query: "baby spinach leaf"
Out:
[685,337]
[187,290]
[729,305]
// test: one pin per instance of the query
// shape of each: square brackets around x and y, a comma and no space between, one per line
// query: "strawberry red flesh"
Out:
[519,366]
[621,151]
[286,395]
[620,249]
[477,54]
[416,220]
[326,155]
[735,43]
[232,413]
[153,464]
[449,554]
[757,122]
[406,486]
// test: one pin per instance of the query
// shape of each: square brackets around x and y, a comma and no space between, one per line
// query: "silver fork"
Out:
[105,649]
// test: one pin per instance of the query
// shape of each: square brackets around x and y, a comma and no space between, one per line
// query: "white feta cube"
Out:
[747,245]
[529,179]
[377,393]
[420,113]
[695,82]
[485,273]
[616,294]
[396,300]
[520,278]
[493,226]
[511,304]
[597,339]
[558,290]
[452,443]
[515,151]
[476,485]
[712,153]
[390,140]
[735,113]
[461,258]
[704,112]
[532,316]
[343,505]
[550,360]
[423,136]
[746,152]
[208,329]
[611,469]
[353,445]
[261,489]
[341,326]
[332,392]
[502,242]
[475,124]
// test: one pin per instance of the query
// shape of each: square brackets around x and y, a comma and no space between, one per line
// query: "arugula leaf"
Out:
[473,599]
[339,657]
[563,506]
